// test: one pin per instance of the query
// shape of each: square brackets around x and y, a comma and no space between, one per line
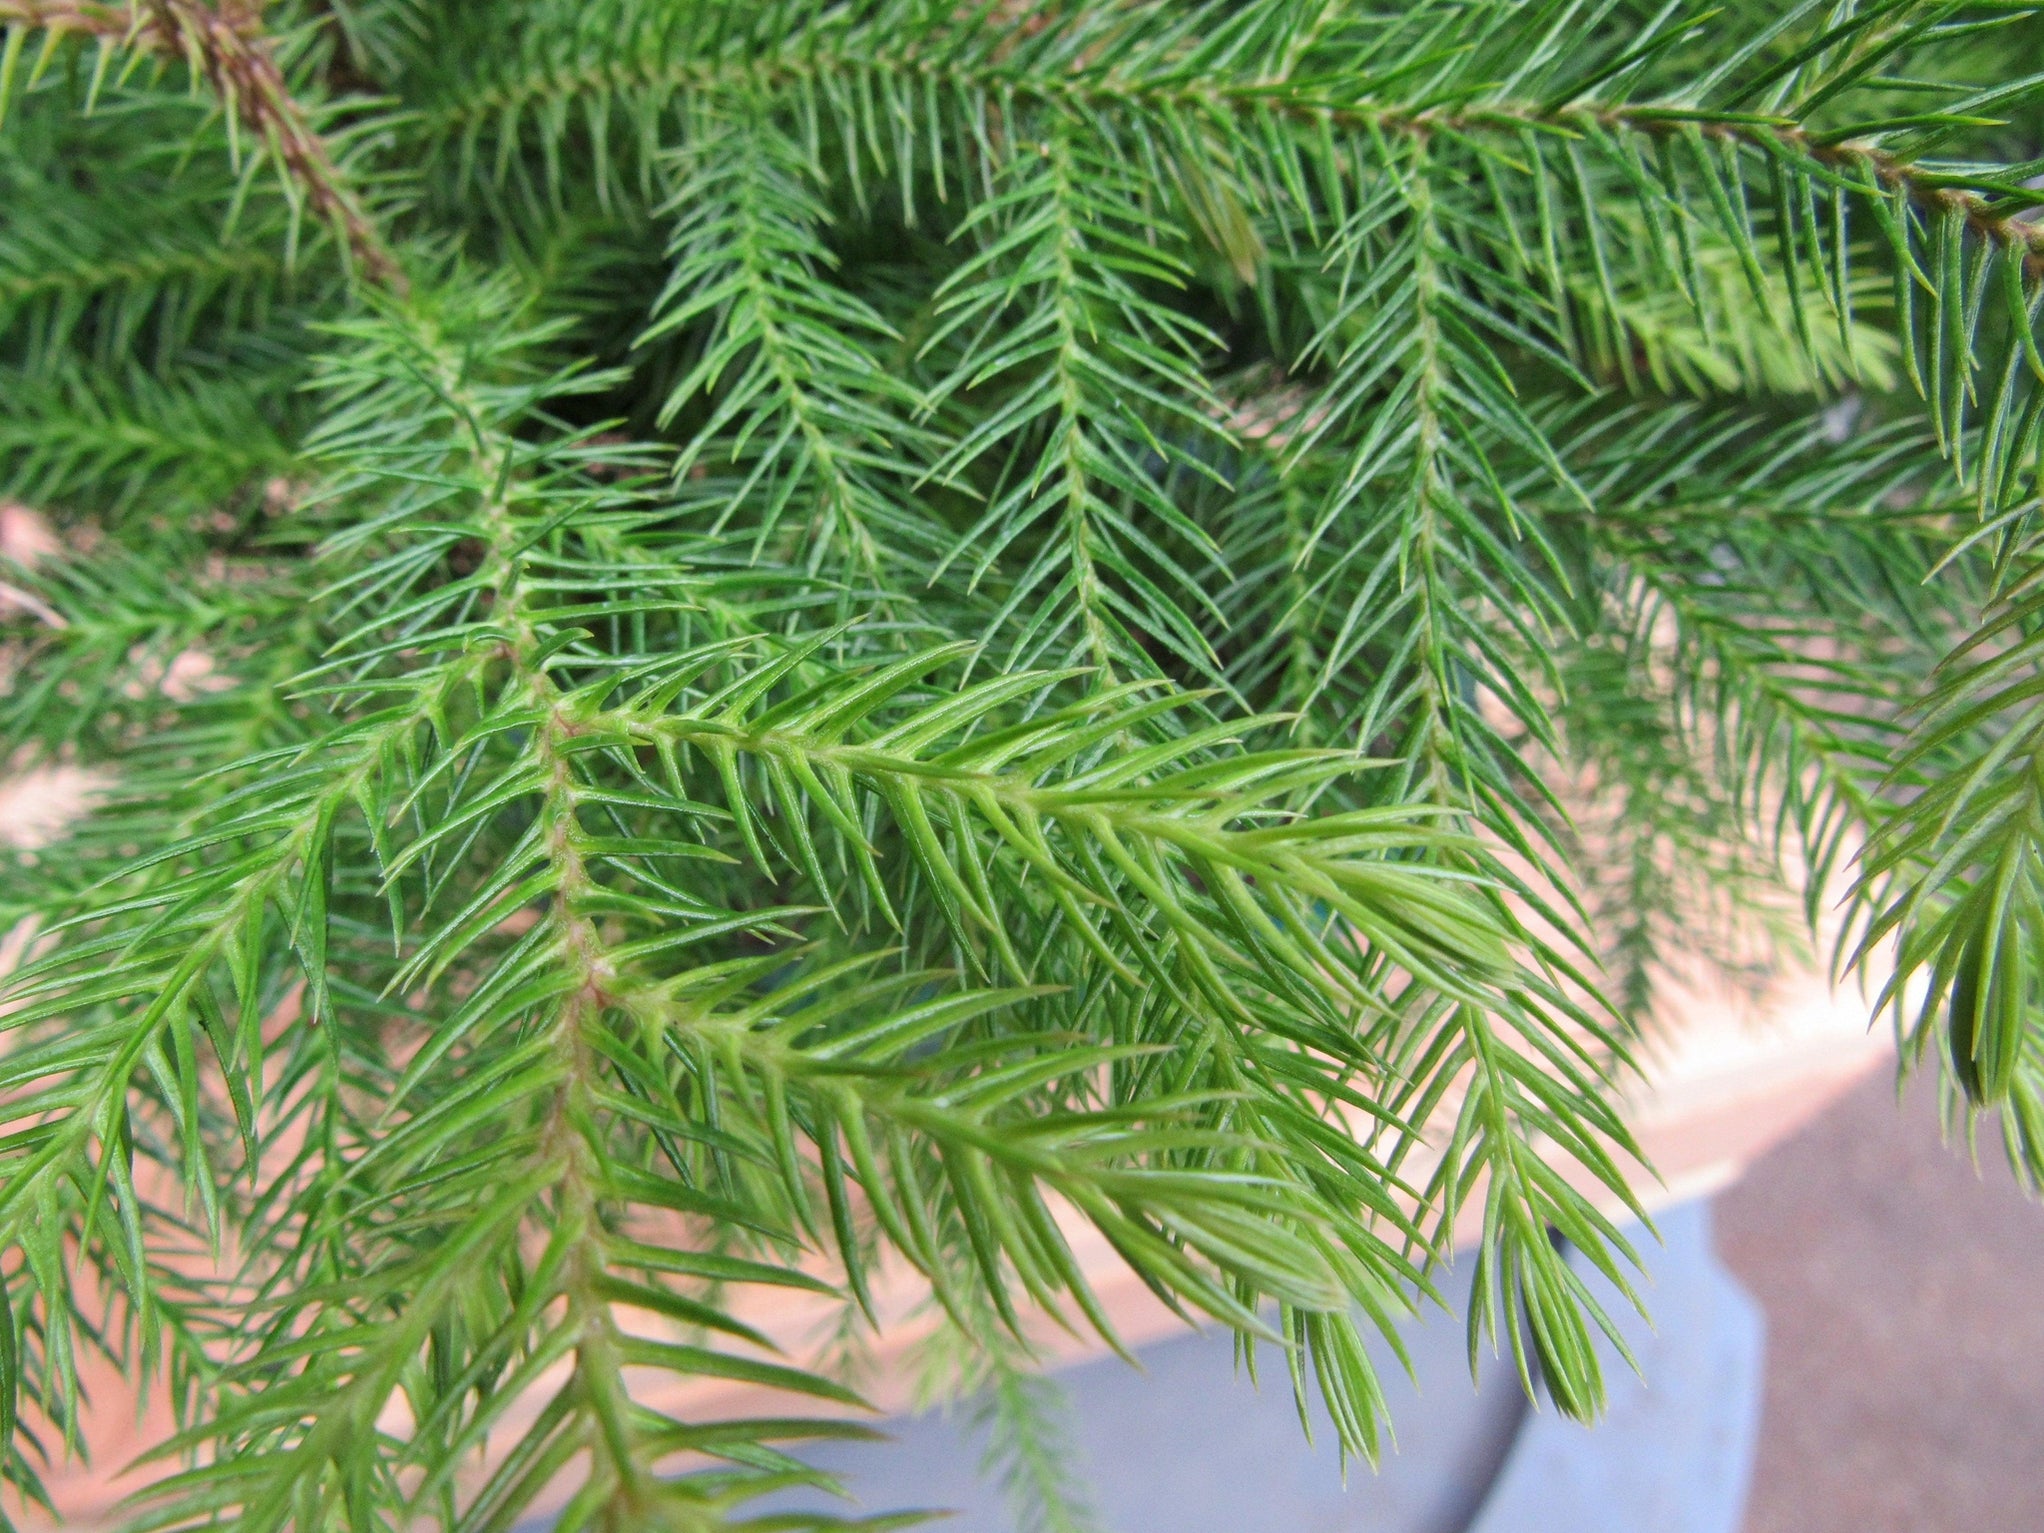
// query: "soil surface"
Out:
[1905,1314]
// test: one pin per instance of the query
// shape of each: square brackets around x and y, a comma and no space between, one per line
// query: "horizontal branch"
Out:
[1091,88]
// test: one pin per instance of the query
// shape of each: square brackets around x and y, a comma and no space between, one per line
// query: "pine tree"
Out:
[831,633]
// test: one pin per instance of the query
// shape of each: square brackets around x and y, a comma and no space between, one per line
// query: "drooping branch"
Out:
[227,46]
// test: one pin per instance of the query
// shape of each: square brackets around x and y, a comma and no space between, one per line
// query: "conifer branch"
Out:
[225,44]
[1098,84]
[1055,720]
[67,18]
[224,41]
[147,268]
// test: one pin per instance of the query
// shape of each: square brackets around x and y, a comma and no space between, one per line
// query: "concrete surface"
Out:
[1905,1327]
[1187,1446]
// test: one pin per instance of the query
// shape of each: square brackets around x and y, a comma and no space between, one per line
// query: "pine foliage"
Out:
[846,636]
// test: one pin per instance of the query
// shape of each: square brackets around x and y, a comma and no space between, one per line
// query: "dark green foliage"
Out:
[840,635]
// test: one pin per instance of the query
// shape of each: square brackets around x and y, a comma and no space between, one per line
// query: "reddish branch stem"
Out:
[2010,230]
[227,46]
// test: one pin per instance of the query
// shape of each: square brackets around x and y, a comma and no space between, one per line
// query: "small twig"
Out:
[35,606]
[226,44]
[1768,135]
[65,17]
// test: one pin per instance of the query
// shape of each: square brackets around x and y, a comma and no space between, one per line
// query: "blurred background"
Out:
[1904,1303]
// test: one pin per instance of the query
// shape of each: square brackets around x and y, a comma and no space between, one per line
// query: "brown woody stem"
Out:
[226,44]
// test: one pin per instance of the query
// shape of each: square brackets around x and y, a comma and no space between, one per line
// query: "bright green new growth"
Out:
[851,632]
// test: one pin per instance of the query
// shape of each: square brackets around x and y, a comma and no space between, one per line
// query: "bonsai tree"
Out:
[733,643]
